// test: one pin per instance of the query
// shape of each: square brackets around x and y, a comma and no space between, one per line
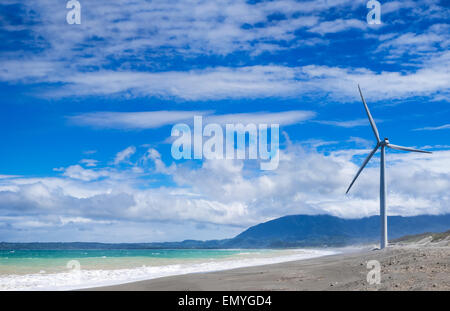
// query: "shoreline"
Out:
[402,268]
[316,253]
[96,278]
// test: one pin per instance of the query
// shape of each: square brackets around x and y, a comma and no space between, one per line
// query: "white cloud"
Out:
[362,142]
[78,172]
[284,118]
[209,83]
[132,201]
[224,193]
[155,119]
[134,120]
[138,36]
[154,156]
[340,83]
[396,6]
[124,154]
[420,47]
[264,81]
[89,162]
[338,25]
[129,28]
[8,176]
[346,124]
[434,128]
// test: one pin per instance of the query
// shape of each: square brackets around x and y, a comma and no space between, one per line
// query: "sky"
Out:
[86,113]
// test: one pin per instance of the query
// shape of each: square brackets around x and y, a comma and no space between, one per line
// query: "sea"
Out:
[77,269]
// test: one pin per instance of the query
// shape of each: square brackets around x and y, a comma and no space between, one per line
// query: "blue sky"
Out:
[86,113]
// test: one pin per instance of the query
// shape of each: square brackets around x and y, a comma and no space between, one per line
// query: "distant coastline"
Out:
[292,231]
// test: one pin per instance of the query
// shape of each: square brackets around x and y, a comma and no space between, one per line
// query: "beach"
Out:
[420,262]
[46,269]
[403,267]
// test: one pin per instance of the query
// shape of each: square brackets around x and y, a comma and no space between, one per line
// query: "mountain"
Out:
[287,231]
[320,230]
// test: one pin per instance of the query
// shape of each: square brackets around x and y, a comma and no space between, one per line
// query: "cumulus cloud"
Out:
[124,154]
[141,51]
[227,193]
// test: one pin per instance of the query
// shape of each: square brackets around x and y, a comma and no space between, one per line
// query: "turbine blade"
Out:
[364,165]
[406,148]
[372,122]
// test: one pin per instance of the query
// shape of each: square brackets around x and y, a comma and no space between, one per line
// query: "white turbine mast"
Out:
[383,144]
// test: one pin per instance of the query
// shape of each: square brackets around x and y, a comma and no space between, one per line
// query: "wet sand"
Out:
[403,267]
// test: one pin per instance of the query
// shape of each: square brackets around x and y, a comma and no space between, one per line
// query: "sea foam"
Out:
[94,278]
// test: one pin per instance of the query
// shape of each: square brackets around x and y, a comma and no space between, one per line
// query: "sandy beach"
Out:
[424,266]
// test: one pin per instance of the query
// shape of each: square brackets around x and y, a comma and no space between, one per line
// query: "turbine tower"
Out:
[380,144]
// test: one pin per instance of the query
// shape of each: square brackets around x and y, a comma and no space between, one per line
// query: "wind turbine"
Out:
[380,144]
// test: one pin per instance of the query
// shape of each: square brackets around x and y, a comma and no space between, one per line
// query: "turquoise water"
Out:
[50,261]
[70,269]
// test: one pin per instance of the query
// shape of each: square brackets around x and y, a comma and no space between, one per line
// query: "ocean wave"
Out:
[93,278]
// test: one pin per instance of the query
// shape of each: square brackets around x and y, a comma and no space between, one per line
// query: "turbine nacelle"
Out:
[380,143]
[384,142]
